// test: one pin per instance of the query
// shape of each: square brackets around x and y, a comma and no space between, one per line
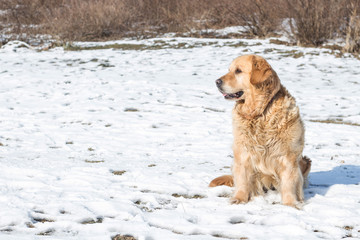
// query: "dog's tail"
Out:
[228,180]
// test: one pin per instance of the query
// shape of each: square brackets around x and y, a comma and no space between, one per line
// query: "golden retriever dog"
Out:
[268,134]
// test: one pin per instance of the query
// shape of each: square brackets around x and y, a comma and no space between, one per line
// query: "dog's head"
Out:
[245,73]
[250,81]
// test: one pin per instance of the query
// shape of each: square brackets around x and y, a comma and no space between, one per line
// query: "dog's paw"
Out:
[297,205]
[236,201]
[239,197]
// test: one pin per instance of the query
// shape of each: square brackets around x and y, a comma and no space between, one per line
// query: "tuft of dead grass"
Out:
[335,121]
[92,221]
[186,196]
[123,237]
[119,173]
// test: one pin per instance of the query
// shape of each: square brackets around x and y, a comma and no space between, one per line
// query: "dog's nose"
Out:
[218,82]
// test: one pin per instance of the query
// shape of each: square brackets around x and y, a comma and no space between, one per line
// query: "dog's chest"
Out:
[257,132]
[264,131]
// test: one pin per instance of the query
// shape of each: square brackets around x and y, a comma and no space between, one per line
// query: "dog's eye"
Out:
[237,71]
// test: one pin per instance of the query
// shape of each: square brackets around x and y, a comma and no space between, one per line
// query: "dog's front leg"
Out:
[242,181]
[291,183]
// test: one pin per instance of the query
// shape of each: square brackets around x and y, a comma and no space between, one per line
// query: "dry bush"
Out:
[313,22]
[176,16]
[260,17]
[352,29]
[69,19]
[24,14]
[90,20]
[102,19]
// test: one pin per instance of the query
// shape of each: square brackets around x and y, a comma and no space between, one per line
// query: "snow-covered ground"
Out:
[98,143]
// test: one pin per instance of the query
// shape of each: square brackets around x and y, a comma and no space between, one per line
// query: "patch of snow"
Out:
[105,142]
[15,46]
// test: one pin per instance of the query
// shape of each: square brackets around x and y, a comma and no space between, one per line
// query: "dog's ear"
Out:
[261,70]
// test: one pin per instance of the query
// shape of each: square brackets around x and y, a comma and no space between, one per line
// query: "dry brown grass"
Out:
[104,19]
[352,30]
[261,18]
[70,19]
[312,22]
[335,121]
[90,20]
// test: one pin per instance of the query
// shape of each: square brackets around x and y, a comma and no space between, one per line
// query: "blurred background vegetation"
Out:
[303,22]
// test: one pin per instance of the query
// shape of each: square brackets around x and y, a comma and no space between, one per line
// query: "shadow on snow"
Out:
[320,182]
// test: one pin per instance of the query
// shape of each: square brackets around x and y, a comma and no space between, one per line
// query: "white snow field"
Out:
[124,141]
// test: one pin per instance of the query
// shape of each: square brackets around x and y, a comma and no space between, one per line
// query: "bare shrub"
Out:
[163,15]
[90,20]
[69,19]
[102,19]
[24,19]
[313,22]
[176,16]
[260,17]
[24,14]
[352,30]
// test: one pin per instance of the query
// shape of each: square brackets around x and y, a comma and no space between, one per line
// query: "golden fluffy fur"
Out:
[268,133]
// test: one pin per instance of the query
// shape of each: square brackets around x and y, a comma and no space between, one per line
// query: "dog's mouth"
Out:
[231,96]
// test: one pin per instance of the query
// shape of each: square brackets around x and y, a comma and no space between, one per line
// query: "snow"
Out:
[103,142]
